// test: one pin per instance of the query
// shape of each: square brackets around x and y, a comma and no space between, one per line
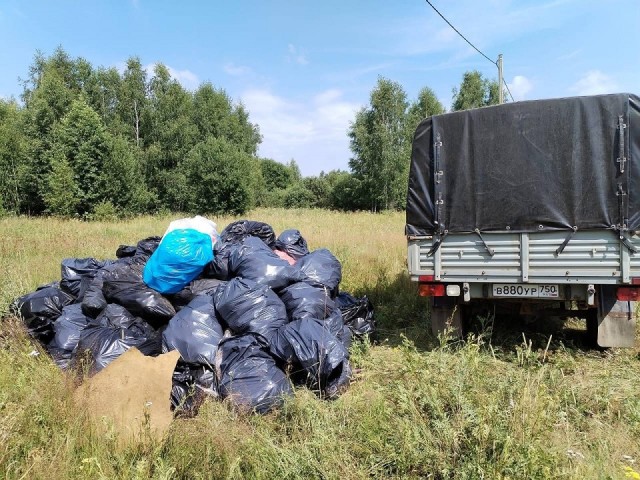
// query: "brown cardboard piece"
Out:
[131,396]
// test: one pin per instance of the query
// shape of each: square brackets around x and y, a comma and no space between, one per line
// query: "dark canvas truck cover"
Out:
[543,165]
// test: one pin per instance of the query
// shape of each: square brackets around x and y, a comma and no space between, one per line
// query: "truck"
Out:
[531,206]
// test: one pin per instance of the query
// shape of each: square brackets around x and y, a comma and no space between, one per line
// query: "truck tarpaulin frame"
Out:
[542,165]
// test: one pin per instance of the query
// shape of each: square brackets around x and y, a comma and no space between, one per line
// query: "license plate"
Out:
[526,291]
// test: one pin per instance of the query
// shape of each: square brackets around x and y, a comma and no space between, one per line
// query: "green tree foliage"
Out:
[426,105]
[62,195]
[276,175]
[380,147]
[132,99]
[216,173]
[94,142]
[475,91]
[13,157]
[128,139]
[121,180]
[82,140]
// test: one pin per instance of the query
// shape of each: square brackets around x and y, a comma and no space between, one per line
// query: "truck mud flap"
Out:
[614,320]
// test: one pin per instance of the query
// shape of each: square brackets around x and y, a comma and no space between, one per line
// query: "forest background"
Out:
[98,143]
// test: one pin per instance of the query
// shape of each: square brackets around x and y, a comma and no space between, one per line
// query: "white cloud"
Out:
[594,82]
[519,87]
[187,78]
[297,55]
[235,70]
[312,131]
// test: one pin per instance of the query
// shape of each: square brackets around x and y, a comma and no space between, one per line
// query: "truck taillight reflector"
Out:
[635,281]
[431,290]
[628,294]
[428,278]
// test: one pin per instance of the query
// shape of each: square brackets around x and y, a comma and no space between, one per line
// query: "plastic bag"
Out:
[147,246]
[93,301]
[255,261]
[68,327]
[197,223]
[307,301]
[314,351]
[179,259]
[191,385]
[202,286]
[321,268]
[237,231]
[61,357]
[293,243]
[123,285]
[249,377]
[114,332]
[74,269]
[38,310]
[357,314]
[247,307]
[285,256]
[125,251]
[218,268]
[195,332]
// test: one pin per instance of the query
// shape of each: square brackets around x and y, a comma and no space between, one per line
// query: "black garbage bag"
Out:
[93,301]
[218,268]
[125,251]
[68,326]
[114,332]
[255,261]
[124,285]
[73,270]
[237,231]
[293,243]
[40,308]
[195,332]
[201,286]
[248,307]
[321,268]
[357,314]
[144,248]
[307,301]
[311,349]
[249,377]
[61,357]
[192,384]
[147,246]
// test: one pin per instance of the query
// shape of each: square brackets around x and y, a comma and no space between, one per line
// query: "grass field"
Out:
[498,405]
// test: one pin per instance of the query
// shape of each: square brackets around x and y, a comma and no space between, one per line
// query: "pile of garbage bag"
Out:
[251,314]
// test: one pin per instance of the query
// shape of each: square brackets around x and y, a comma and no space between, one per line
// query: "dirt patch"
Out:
[131,396]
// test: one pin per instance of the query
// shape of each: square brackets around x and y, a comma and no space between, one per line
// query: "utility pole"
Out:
[500,81]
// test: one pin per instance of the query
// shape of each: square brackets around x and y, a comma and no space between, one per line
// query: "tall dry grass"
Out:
[493,406]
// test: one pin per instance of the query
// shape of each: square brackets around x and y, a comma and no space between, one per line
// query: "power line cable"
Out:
[458,32]
[472,45]
[507,87]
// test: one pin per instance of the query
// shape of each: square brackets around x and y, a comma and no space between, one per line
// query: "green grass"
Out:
[498,405]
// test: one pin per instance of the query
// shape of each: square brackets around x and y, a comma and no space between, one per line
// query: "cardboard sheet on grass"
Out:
[131,395]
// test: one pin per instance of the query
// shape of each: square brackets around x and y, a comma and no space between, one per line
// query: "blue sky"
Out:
[304,68]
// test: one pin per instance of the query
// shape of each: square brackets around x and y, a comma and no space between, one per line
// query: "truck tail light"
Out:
[628,294]
[635,281]
[431,290]
[430,278]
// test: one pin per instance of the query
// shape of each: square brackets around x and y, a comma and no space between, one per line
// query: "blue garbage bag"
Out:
[179,259]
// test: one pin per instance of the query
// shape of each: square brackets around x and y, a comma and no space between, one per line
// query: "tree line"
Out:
[93,142]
